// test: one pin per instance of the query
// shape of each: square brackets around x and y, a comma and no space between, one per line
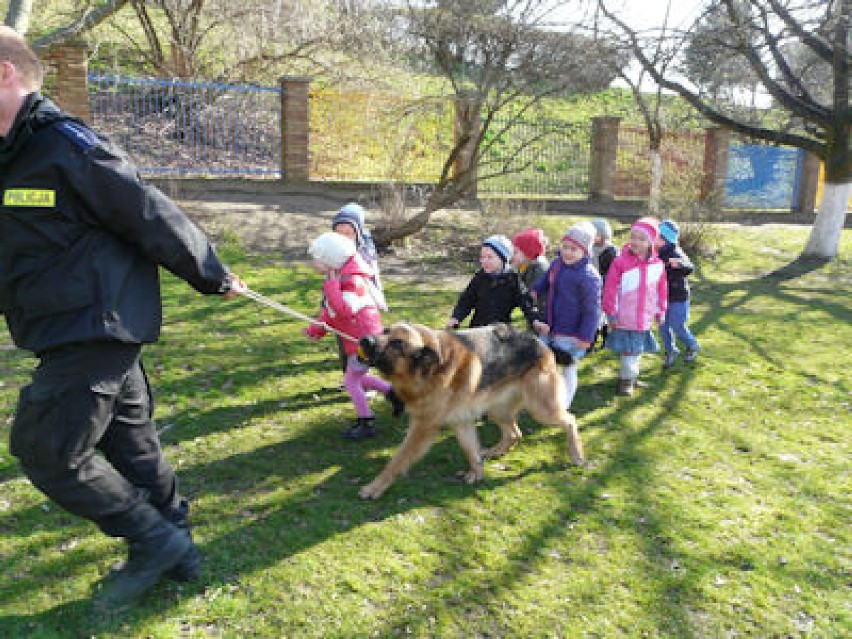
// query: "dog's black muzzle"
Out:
[368,348]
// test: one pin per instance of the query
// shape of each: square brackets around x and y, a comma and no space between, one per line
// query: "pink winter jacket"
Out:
[349,307]
[635,291]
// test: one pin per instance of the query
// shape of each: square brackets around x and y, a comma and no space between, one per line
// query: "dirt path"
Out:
[281,227]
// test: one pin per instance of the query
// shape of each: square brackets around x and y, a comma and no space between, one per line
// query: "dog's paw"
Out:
[498,450]
[578,461]
[492,453]
[371,491]
[471,476]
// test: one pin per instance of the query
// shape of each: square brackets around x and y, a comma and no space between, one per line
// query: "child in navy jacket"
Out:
[572,288]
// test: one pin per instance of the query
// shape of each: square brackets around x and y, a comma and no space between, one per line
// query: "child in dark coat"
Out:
[495,289]
[529,260]
[678,268]
[603,253]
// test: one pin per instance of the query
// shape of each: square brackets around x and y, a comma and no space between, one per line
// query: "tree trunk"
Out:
[825,235]
[656,181]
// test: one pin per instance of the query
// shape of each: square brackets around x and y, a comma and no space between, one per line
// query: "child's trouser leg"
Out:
[628,374]
[679,326]
[571,346]
[629,366]
[353,381]
[666,330]
[374,383]
[570,374]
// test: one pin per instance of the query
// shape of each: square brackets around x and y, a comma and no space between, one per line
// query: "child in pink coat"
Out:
[351,307]
[634,295]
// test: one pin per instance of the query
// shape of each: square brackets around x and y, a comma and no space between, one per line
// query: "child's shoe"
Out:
[363,428]
[626,386]
[397,405]
[670,359]
[690,355]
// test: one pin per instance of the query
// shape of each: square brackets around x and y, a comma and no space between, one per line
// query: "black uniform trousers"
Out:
[84,435]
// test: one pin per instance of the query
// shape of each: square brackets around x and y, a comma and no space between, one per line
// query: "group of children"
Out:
[589,292]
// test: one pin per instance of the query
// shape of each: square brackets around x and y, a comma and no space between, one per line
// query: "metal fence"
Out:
[681,156]
[190,128]
[197,129]
[537,158]
[376,137]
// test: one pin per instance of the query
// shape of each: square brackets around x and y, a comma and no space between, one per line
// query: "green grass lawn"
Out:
[716,501]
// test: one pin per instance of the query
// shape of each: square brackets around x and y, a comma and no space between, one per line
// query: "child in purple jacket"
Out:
[572,288]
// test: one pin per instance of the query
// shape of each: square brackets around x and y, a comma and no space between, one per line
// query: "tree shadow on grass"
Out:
[262,537]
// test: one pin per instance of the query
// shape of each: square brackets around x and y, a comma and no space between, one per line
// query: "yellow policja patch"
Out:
[29,197]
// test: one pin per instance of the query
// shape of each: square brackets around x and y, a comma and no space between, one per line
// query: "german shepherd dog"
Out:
[456,377]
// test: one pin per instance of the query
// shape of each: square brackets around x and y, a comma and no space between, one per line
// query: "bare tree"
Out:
[708,61]
[84,18]
[501,59]
[763,32]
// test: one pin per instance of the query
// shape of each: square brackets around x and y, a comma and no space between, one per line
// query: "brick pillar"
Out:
[468,118]
[72,89]
[716,143]
[808,184]
[603,153]
[295,129]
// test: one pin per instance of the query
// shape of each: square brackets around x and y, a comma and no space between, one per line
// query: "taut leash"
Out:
[257,297]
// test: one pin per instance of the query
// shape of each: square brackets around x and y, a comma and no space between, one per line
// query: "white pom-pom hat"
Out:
[332,249]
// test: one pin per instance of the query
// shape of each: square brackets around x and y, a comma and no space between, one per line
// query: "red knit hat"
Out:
[531,241]
[649,226]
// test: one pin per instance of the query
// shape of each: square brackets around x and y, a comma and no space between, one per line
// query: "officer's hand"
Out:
[235,287]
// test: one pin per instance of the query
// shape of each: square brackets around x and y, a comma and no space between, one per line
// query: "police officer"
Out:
[81,238]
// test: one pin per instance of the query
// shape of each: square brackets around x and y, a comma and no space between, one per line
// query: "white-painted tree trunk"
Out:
[656,181]
[18,15]
[825,234]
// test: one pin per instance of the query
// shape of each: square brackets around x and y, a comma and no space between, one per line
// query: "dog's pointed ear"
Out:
[426,359]
[430,340]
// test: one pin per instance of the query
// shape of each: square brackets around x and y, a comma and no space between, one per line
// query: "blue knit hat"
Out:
[352,214]
[501,245]
[669,231]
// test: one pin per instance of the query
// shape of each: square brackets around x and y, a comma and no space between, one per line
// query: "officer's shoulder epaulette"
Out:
[80,135]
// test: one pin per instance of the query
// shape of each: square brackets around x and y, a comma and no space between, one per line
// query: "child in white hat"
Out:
[350,306]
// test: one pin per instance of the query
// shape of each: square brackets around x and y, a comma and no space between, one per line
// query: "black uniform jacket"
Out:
[81,237]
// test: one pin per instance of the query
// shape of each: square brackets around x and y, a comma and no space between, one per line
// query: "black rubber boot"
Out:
[397,405]
[189,566]
[363,428]
[150,555]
